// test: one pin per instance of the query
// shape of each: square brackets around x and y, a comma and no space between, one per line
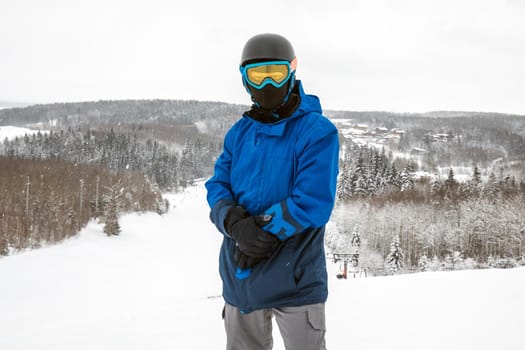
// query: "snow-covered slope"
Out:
[156,286]
[10,132]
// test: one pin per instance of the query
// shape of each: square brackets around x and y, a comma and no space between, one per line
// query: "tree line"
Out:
[162,164]
[64,115]
[47,201]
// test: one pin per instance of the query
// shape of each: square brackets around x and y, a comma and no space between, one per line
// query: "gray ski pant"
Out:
[302,327]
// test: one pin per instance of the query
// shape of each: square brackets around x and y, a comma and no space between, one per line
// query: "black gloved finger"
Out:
[234,215]
[267,237]
[257,252]
[246,261]
[251,262]
[252,239]
[268,250]
[240,259]
[260,248]
[243,262]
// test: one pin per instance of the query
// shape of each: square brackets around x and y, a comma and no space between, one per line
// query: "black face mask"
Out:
[270,97]
[283,111]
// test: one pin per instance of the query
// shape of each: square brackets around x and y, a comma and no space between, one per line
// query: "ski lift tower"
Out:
[350,260]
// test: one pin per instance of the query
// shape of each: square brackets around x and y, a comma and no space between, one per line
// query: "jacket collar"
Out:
[309,104]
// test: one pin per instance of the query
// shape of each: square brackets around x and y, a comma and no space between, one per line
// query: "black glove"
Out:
[244,261]
[233,216]
[246,230]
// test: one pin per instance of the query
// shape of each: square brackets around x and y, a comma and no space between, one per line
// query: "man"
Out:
[271,195]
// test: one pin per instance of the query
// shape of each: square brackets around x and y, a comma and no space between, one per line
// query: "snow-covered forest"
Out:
[391,190]
[120,151]
[95,160]
[439,223]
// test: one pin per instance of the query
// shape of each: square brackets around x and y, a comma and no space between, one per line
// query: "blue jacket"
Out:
[287,169]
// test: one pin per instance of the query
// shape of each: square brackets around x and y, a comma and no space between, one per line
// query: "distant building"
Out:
[396,131]
[430,137]
[381,131]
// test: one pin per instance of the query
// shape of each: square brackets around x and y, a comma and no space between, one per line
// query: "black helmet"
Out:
[267,47]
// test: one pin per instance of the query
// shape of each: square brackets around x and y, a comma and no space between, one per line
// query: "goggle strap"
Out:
[293,65]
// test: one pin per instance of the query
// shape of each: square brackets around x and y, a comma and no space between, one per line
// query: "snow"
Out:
[42,125]
[156,286]
[339,121]
[11,132]
[461,173]
[202,126]
[425,174]
[431,310]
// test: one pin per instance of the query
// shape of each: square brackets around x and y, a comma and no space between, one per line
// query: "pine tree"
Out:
[344,184]
[376,164]
[396,256]
[450,181]
[380,183]
[112,208]
[508,186]
[474,185]
[392,179]
[451,185]
[111,226]
[435,187]
[405,179]
[358,183]
[491,189]
[361,188]
[476,176]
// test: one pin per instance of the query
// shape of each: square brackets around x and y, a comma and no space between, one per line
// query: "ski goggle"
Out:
[261,74]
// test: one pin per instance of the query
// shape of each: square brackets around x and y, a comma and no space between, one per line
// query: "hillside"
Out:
[165,120]
[431,140]
[457,169]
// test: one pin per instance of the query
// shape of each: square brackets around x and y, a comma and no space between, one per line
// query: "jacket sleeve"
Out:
[313,193]
[220,198]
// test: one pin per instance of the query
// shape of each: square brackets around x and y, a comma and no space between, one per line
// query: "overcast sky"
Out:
[398,55]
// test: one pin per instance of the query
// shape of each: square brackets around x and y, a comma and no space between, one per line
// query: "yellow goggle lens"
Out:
[276,72]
